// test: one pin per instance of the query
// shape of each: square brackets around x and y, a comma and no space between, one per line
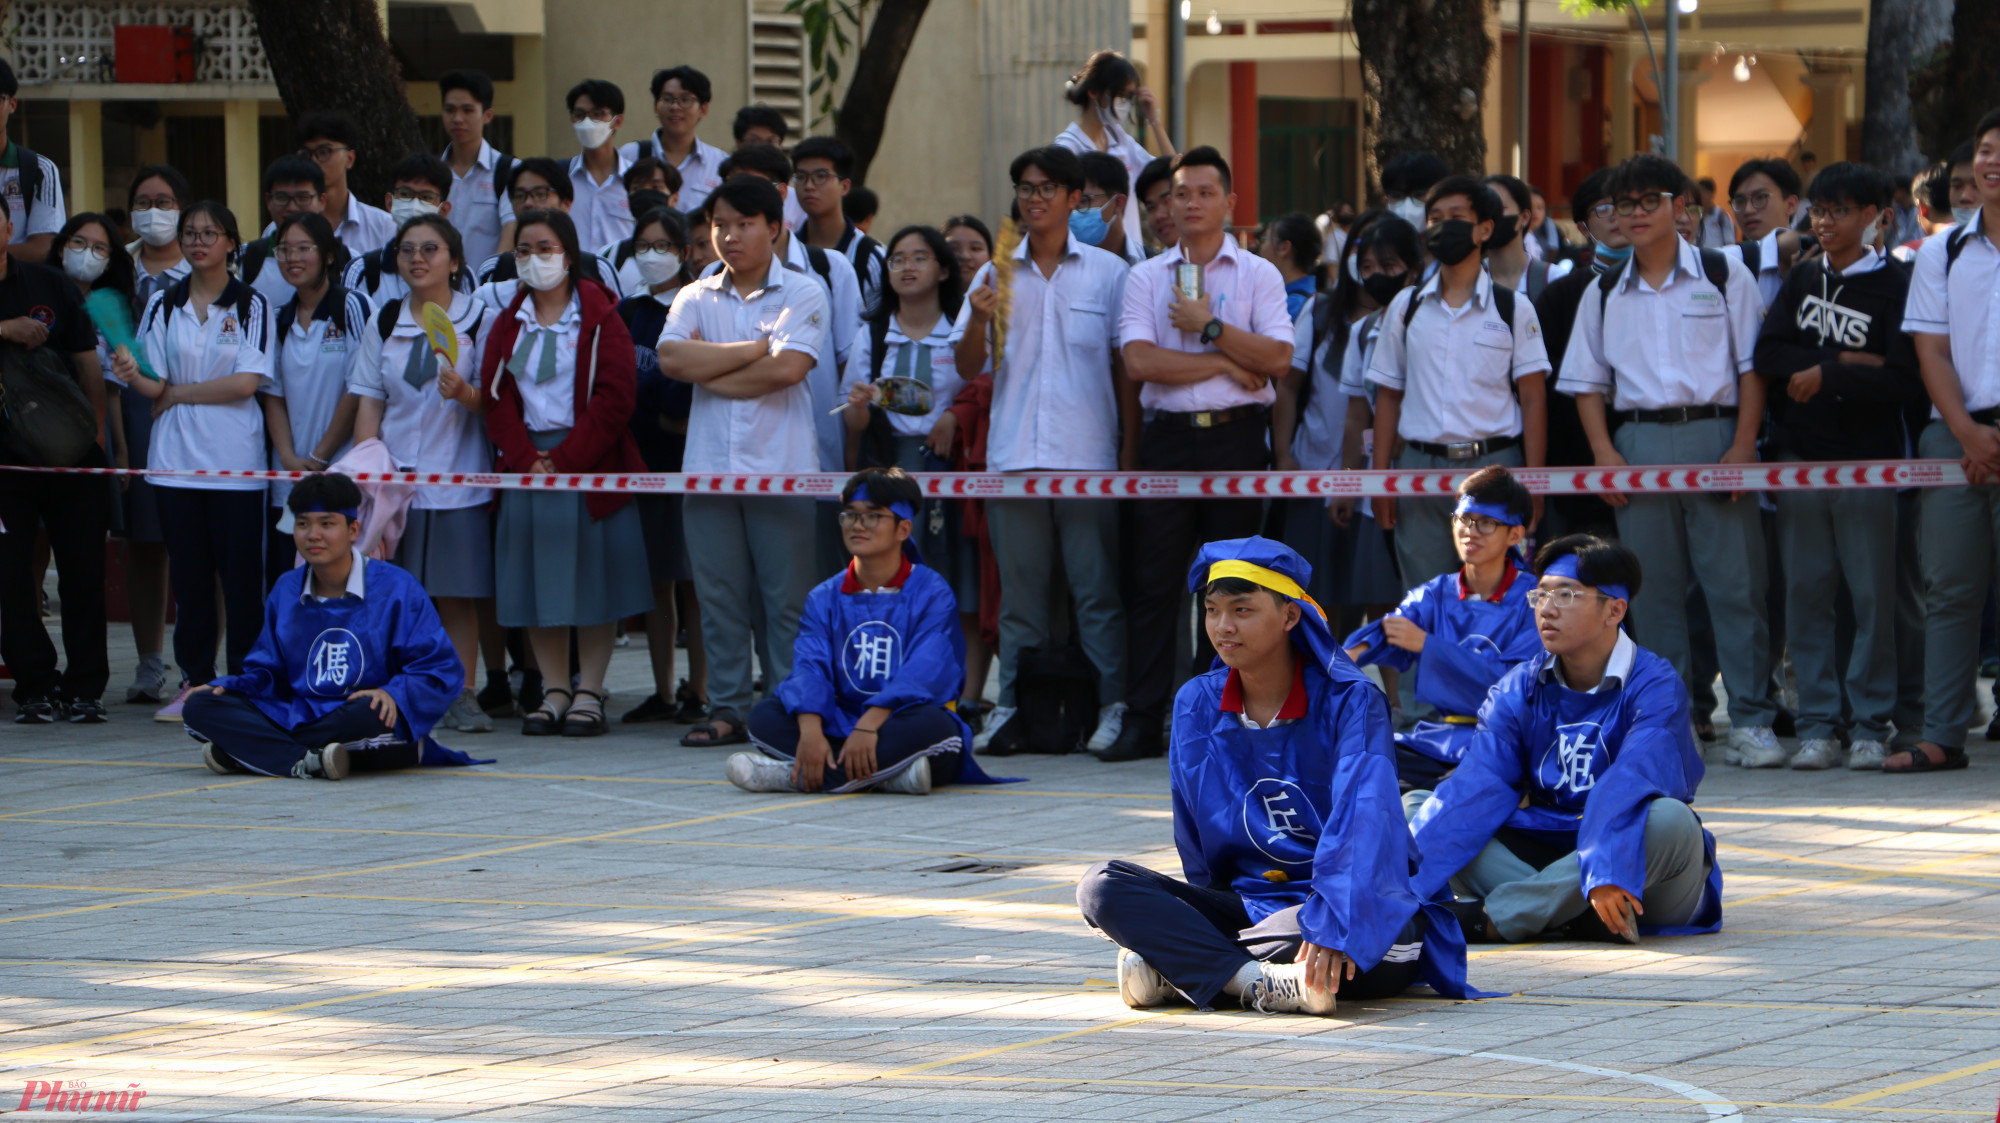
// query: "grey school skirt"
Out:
[555,566]
[450,553]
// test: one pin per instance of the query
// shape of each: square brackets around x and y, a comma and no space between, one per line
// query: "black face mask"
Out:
[1383,287]
[1450,241]
[1504,229]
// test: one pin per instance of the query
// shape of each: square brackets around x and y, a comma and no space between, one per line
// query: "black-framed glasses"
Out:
[817,177]
[680,101]
[324,152]
[1046,189]
[155,203]
[533,196]
[292,198]
[1479,524]
[1604,210]
[866,520]
[523,253]
[1820,213]
[206,237]
[604,115]
[1645,204]
[428,198]
[1754,201]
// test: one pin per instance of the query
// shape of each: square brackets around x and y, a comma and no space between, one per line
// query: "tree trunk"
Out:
[865,108]
[334,55]
[1962,81]
[1424,68]
[1901,36]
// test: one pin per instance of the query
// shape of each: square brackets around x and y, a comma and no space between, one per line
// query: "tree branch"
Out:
[864,111]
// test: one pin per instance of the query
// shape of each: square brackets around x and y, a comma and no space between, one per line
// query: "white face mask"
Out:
[592,133]
[1868,233]
[1964,215]
[1121,111]
[157,227]
[1410,211]
[656,267]
[543,271]
[403,210]
[82,265]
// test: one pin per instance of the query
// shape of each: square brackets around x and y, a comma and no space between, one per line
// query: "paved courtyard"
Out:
[606,929]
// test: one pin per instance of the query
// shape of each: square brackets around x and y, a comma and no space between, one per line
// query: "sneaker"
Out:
[38,713]
[149,682]
[1866,756]
[171,712]
[1754,747]
[914,780]
[219,762]
[329,763]
[1137,741]
[995,718]
[755,772]
[1141,986]
[90,711]
[465,715]
[496,700]
[1819,754]
[1110,723]
[1281,989]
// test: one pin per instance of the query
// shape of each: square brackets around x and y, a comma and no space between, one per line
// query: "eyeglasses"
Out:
[538,196]
[661,246]
[1559,598]
[1755,201]
[910,260]
[604,115]
[428,198]
[1831,214]
[1645,204]
[1479,524]
[410,250]
[815,178]
[866,520]
[155,202]
[1093,201]
[295,253]
[1046,189]
[523,253]
[292,198]
[101,253]
[206,237]
[683,101]
[324,152]
[1604,210]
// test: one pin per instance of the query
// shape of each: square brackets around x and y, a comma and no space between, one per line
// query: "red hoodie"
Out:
[600,439]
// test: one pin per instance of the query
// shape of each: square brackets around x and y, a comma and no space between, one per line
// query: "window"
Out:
[779,71]
[1307,154]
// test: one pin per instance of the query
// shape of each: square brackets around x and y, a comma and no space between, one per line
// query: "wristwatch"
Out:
[1211,331]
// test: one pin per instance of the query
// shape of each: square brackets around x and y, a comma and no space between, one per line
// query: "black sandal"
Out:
[692,708]
[705,737]
[1920,761]
[586,723]
[545,720]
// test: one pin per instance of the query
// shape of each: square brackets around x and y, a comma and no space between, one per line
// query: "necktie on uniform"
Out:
[545,366]
[422,365]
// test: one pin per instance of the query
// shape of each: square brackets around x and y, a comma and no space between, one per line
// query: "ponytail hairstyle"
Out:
[1105,73]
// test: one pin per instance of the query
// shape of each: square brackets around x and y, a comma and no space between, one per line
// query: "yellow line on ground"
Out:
[996,1051]
[68,763]
[136,798]
[1908,1086]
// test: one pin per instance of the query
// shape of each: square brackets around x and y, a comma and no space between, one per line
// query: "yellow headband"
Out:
[1266,578]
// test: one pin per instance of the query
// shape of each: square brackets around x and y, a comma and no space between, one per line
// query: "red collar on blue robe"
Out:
[849,583]
[1295,703]
[1500,590]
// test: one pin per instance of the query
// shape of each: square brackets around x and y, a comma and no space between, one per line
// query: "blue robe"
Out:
[311,655]
[1307,814]
[1589,765]
[894,650]
[1471,643]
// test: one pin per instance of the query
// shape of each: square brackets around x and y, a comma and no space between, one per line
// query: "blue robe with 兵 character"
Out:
[1576,770]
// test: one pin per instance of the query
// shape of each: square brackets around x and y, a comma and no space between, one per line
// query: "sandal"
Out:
[1920,761]
[693,707]
[706,736]
[579,722]
[545,720]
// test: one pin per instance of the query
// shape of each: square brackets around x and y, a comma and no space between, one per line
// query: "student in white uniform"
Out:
[1106,92]
[538,181]
[600,208]
[479,172]
[292,185]
[308,411]
[427,411]
[207,337]
[329,140]
[31,183]
[648,184]
[419,184]
[760,126]
[822,175]
[1764,195]
[680,101]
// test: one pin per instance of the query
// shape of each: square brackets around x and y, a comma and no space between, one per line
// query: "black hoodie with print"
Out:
[1857,414]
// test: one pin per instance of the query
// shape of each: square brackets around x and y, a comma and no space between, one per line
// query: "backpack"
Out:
[1954,244]
[1503,303]
[1057,688]
[878,441]
[289,314]
[177,296]
[30,179]
[385,320]
[251,263]
[45,418]
[1535,280]
[1714,266]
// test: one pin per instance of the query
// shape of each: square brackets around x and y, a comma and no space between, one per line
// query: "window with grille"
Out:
[780,73]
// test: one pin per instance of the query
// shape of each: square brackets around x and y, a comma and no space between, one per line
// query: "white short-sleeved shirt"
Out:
[1964,304]
[1243,290]
[602,211]
[1054,405]
[365,228]
[423,431]
[389,284]
[48,215]
[701,172]
[189,350]
[478,207]
[772,433]
[1359,352]
[1130,153]
[1456,367]
[310,370]
[1769,280]
[929,360]
[552,404]
[1322,424]
[270,281]
[143,289]
[1683,344]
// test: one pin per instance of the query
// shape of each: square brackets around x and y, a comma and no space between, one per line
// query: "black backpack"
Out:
[1057,688]
[45,418]
[335,299]
[30,179]
[385,320]
[878,441]
[1714,266]
[251,263]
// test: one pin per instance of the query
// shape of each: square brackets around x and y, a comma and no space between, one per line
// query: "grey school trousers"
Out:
[1705,537]
[1960,527]
[1029,536]
[1424,545]
[746,551]
[1831,538]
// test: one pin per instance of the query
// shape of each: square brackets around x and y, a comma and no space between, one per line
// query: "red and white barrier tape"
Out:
[1783,476]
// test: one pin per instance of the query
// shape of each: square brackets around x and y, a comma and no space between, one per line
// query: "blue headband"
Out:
[901,509]
[1565,566]
[353,513]
[1498,512]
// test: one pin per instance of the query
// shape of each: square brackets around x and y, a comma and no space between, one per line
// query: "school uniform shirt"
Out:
[771,433]
[365,228]
[871,271]
[701,171]
[1054,405]
[1322,423]
[1132,154]
[1858,412]
[629,280]
[270,281]
[929,360]
[1683,344]
[1242,290]
[146,284]
[48,214]
[1457,366]
[550,404]
[601,211]
[389,284]
[1768,279]
[311,366]
[478,207]
[423,431]
[1961,301]
[187,350]
[1575,769]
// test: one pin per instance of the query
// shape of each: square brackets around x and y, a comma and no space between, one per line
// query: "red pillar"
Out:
[1243,140]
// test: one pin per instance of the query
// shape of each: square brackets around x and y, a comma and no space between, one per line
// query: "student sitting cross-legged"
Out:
[1463,630]
[879,660]
[1296,866]
[352,670]
[1569,812]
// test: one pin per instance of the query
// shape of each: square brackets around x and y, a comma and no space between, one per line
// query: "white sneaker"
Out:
[1110,723]
[755,772]
[1141,986]
[1817,755]
[1281,989]
[465,716]
[219,762]
[1754,747]
[914,780]
[329,763]
[1867,756]
[149,682]
[995,718]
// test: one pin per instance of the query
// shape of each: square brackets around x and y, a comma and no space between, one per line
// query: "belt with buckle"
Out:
[1211,418]
[1678,415]
[1464,450]
[1986,416]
